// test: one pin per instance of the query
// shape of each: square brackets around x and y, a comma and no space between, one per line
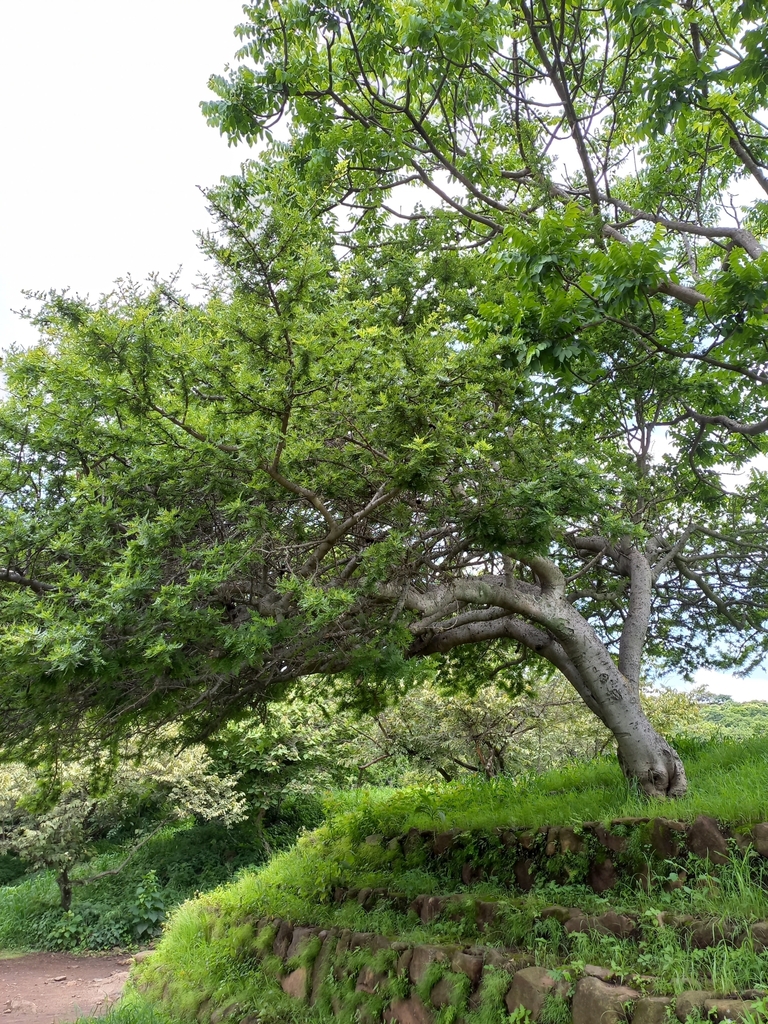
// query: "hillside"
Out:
[559,897]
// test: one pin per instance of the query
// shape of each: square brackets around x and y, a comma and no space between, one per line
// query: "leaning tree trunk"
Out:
[645,757]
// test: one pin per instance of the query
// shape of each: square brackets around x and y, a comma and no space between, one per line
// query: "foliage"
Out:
[52,816]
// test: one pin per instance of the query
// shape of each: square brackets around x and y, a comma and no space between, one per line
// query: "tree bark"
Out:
[65,889]
[542,619]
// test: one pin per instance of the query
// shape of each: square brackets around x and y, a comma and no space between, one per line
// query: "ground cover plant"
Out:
[217,945]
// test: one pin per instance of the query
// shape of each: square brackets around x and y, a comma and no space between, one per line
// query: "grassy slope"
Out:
[205,954]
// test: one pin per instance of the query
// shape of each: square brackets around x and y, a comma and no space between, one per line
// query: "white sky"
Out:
[104,149]
[104,142]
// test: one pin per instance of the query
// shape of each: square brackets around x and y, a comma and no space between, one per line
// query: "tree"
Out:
[306,474]
[51,817]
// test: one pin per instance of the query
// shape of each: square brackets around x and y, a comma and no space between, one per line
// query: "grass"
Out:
[727,780]
[207,944]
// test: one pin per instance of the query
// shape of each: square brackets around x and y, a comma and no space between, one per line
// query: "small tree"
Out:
[51,816]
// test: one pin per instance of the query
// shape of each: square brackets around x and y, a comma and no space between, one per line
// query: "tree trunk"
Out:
[645,757]
[65,888]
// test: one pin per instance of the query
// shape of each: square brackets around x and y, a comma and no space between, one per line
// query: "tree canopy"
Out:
[390,433]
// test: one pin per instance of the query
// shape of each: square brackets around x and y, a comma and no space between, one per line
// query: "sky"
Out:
[104,150]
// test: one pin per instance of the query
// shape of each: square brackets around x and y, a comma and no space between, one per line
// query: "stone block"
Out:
[422,957]
[690,1001]
[472,966]
[595,1002]
[526,840]
[375,840]
[408,1011]
[651,1010]
[444,842]
[444,992]
[570,842]
[524,873]
[530,989]
[704,934]
[602,876]
[371,981]
[720,1009]
[616,844]
[471,873]
[412,842]
[282,939]
[342,946]
[404,963]
[707,841]
[551,847]
[760,838]
[485,912]
[431,908]
[296,984]
[620,925]
[667,837]
[299,941]
[321,966]
[759,932]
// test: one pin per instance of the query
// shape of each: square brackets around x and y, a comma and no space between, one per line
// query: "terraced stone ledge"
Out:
[698,932]
[593,853]
[409,984]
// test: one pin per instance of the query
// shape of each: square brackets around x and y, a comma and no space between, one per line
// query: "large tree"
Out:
[314,472]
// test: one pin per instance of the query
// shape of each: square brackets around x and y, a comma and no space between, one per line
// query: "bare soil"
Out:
[48,988]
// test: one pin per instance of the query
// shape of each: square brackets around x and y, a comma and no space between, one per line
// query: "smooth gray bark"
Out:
[540,617]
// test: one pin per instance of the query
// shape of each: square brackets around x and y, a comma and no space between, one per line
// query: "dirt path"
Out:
[46,988]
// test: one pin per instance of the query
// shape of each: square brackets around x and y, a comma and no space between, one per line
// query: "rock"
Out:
[416,904]
[443,993]
[689,1002]
[505,961]
[412,842]
[530,989]
[444,842]
[707,841]
[370,981]
[602,973]
[230,1009]
[726,1009]
[408,1011]
[363,896]
[595,1001]
[561,914]
[630,821]
[431,908]
[676,883]
[526,840]
[472,966]
[760,838]
[375,840]
[710,933]
[621,925]
[524,872]
[342,946]
[759,931]
[422,957]
[485,913]
[321,966]
[617,844]
[508,839]
[362,940]
[551,848]
[667,837]
[602,877]
[404,963]
[282,939]
[651,1010]
[570,842]
[339,894]
[394,846]
[137,958]
[295,984]
[301,937]
[471,873]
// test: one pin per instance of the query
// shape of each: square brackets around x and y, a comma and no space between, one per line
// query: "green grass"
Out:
[206,945]
[727,780]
